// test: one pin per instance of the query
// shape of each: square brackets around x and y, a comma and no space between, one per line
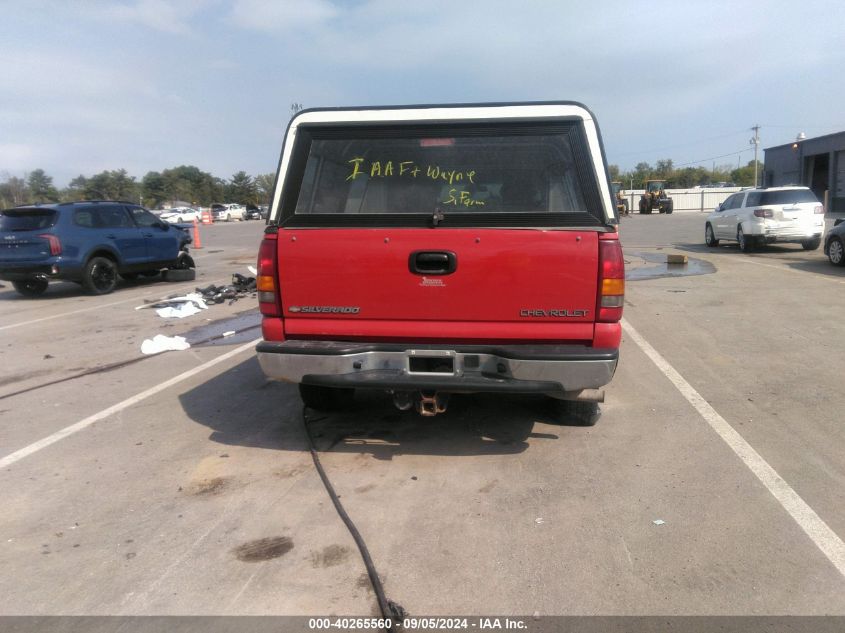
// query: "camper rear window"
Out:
[479,171]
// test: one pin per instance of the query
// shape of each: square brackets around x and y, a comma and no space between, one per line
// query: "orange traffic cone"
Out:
[197,243]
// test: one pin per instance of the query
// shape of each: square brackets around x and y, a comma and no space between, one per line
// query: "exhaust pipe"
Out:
[427,403]
[403,400]
[431,403]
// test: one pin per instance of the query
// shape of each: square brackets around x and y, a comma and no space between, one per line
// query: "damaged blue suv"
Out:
[90,243]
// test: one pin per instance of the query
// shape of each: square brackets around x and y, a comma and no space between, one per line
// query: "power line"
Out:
[704,160]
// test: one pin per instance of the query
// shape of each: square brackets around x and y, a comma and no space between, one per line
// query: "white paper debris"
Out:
[229,333]
[162,343]
[658,521]
[181,307]
[252,269]
[178,311]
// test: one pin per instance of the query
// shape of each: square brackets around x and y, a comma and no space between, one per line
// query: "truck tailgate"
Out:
[507,284]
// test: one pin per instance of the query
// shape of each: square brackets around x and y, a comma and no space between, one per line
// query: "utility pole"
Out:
[756,143]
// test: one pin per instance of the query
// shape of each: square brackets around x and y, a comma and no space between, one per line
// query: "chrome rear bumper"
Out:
[465,368]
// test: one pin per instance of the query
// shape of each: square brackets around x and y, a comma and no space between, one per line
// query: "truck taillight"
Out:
[269,301]
[611,281]
[763,213]
[55,244]
[818,209]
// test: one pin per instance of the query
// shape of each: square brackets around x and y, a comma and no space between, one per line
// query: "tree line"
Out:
[687,177]
[185,183]
[190,184]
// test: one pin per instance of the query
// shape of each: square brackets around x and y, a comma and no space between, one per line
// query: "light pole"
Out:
[756,143]
[797,147]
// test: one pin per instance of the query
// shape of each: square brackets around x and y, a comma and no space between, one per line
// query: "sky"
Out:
[146,85]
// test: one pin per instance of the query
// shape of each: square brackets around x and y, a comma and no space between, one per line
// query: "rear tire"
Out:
[836,252]
[326,398]
[746,243]
[99,276]
[710,236]
[31,287]
[571,413]
[811,245]
[585,413]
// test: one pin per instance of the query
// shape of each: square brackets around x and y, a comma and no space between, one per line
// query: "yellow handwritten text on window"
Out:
[359,166]
[462,199]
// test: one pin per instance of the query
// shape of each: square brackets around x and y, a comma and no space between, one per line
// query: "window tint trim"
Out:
[78,212]
[102,210]
[736,201]
[132,214]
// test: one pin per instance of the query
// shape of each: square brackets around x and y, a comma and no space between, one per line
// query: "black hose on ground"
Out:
[389,609]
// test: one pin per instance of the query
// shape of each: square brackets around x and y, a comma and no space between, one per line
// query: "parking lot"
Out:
[181,483]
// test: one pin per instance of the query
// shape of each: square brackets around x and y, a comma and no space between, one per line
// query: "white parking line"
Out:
[56,316]
[819,532]
[89,308]
[26,451]
[835,280]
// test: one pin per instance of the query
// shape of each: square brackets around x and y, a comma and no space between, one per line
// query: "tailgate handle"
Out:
[433,262]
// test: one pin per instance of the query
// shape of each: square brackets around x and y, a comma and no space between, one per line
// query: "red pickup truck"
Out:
[430,250]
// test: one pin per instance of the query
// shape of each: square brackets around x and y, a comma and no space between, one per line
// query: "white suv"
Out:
[228,212]
[759,216]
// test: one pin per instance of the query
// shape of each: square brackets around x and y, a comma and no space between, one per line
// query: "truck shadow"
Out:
[241,407]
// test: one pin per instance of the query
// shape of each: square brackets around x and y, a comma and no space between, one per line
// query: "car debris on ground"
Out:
[240,287]
[181,306]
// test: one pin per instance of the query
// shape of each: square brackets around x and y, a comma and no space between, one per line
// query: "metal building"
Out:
[818,163]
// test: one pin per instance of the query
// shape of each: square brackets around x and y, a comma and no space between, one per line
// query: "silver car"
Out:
[834,244]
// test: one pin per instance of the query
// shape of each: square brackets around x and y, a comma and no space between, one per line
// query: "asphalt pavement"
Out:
[714,482]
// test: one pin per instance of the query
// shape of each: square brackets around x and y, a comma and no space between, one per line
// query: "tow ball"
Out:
[426,403]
